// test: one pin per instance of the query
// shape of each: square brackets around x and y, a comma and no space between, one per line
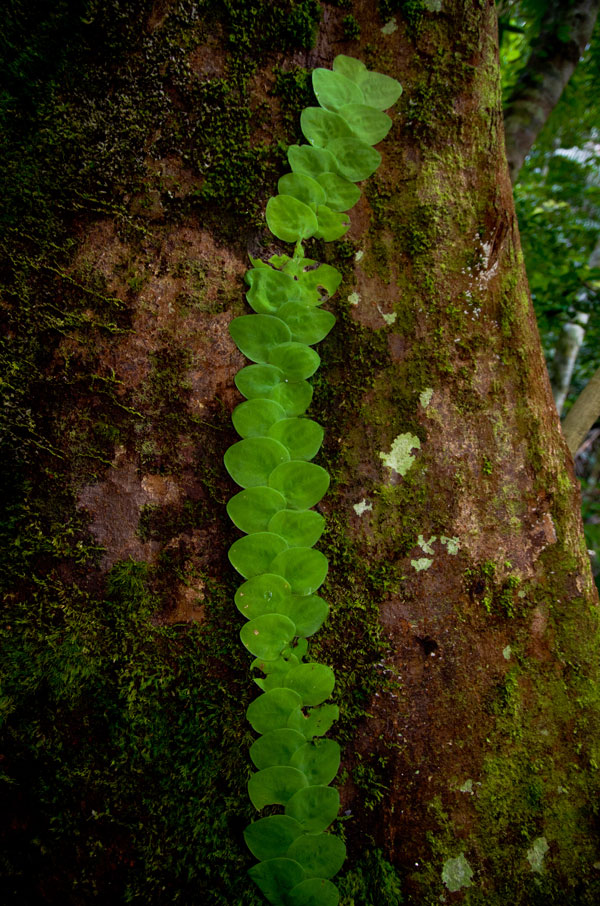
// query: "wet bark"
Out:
[464,619]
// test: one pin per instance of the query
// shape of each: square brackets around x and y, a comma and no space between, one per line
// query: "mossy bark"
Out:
[464,619]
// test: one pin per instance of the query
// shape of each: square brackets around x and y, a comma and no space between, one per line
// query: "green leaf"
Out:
[295,396]
[314,682]
[302,187]
[355,159]
[316,723]
[275,785]
[308,325]
[253,508]
[313,892]
[276,747]
[269,289]
[349,66]
[319,761]
[321,127]
[256,381]
[367,124]
[333,90]
[304,568]
[332,224]
[269,838]
[300,528]
[256,335]
[324,277]
[267,636]
[302,436]
[262,594]
[280,665]
[307,612]
[271,710]
[320,855]
[253,554]
[296,360]
[302,484]
[341,193]
[252,460]
[275,877]
[290,219]
[311,161]
[254,417]
[379,90]
[315,807]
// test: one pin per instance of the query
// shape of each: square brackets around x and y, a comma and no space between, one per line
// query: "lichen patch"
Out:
[400,458]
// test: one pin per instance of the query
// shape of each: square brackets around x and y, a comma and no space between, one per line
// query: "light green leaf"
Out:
[311,161]
[276,747]
[321,127]
[367,124]
[316,723]
[253,508]
[271,710]
[269,838]
[308,325]
[315,807]
[341,193]
[253,555]
[296,360]
[302,436]
[302,484]
[324,277]
[295,396]
[290,219]
[256,335]
[333,90]
[308,612]
[262,594]
[320,855]
[252,460]
[318,761]
[314,682]
[332,224]
[349,66]
[300,528]
[355,159]
[275,877]
[256,381]
[379,90]
[275,785]
[269,289]
[254,417]
[302,187]
[304,568]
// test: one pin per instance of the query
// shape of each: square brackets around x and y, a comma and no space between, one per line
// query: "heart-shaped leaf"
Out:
[315,807]
[332,224]
[321,127]
[256,335]
[333,90]
[367,124]
[319,761]
[308,325]
[296,360]
[262,594]
[355,159]
[307,612]
[252,460]
[302,484]
[341,193]
[313,892]
[253,554]
[311,161]
[253,508]
[290,219]
[275,785]
[314,682]
[269,838]
[254,417]
[304,568]
[302,436]
[256,381]
[272,710]
[379,90]
[350,67]
[294,396]
[302,187]
[320,855]
[316,723]
[277,747]
[300,528]
[322,278]
[275,877]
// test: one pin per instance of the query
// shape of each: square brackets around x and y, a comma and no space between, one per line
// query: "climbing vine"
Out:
[295,764]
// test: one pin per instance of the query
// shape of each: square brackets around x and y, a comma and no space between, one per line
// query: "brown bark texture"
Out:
[463,628]
[565,32]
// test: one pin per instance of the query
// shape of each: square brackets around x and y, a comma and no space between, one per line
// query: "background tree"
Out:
[138,154]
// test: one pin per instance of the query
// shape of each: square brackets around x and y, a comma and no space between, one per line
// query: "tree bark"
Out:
[565,31]
[463,628]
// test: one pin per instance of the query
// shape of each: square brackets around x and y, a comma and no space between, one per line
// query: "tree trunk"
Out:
[463,628]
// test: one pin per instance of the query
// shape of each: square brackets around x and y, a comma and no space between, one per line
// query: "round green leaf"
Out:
[355,159]
[379,90]
[367,124]
[295,396]
[277,747]
[313,892]
[319,761]
[310,161]
[349,66]
[302,484]
[262,594]
[253,508]
[321,127]
[308,325]
[302,187]
[296,360]
[341,193]
[253,554]
[269,838]
[302,436]
[290,219]
[316,723]
[307,612]
[254,417]
[275,877]
[268,635]
[315,807]
[332,224]
[275,785]
[304,568]
[256,381]
[300,528]
[314,682]
[269,289]
[324,278]
[320,855]
[333,90]
[251,461]
[272,710]
[256,335]
[280,665]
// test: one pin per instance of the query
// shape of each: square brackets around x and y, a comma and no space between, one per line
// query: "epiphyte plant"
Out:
[272,463]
